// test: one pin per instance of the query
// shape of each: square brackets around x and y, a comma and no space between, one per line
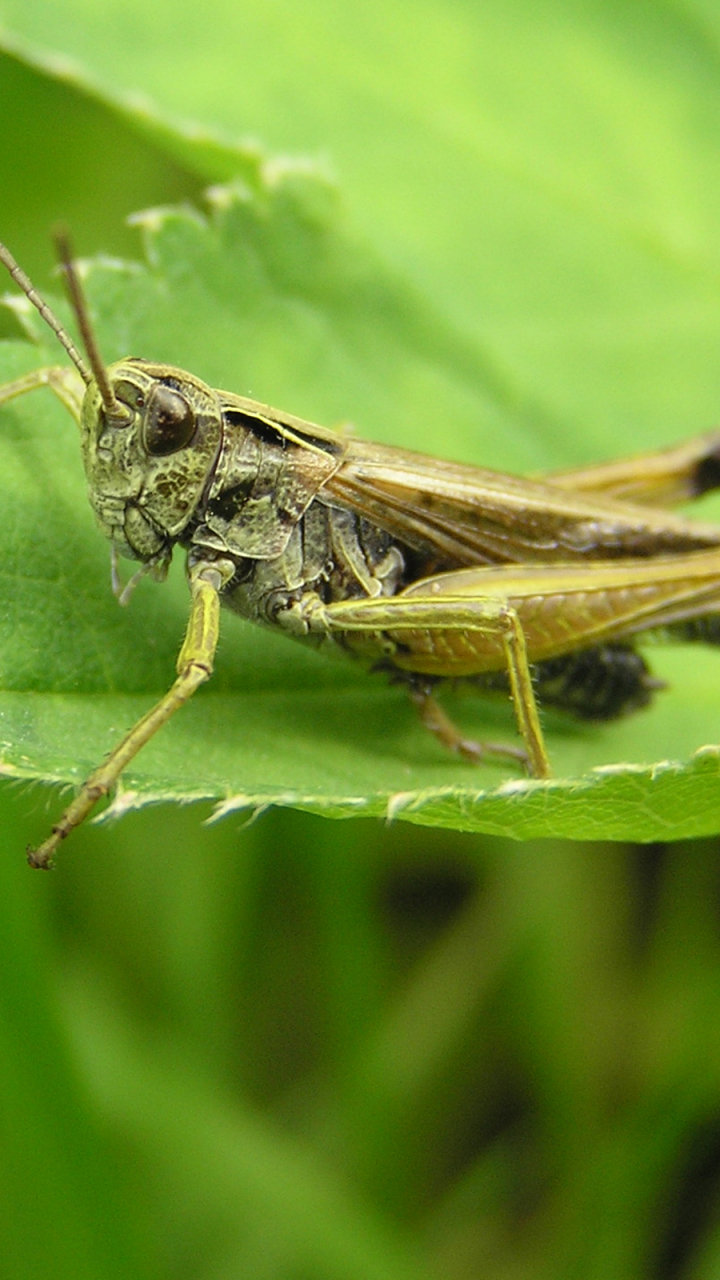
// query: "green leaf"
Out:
[545,171]
[271,296]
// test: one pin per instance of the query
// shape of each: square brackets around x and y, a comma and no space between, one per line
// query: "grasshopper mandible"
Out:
[425,568]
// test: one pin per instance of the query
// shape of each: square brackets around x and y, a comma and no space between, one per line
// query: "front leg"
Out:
[66,383]
[194,667]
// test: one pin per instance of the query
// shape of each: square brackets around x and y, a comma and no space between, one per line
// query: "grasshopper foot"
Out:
[42,858]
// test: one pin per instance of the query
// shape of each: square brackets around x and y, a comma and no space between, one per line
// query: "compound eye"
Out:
[170,422]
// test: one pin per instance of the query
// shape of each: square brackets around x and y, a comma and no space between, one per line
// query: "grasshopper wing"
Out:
[458,515]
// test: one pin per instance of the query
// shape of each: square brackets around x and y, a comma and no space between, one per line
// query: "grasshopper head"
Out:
[149,456]
[151,433]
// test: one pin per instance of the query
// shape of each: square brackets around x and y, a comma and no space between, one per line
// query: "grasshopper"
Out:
[430,570]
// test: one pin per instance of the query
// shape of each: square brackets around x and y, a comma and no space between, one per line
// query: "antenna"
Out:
[25,283]
[113,408]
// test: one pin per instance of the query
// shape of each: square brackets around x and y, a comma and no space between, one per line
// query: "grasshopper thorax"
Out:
[148,461]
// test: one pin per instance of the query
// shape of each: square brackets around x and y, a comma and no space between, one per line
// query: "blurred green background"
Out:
[310,1049]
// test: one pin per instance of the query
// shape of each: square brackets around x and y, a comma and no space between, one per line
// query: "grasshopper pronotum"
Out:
[429,569]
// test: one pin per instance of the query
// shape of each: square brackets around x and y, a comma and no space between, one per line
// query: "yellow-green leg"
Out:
[194,666]
[440,725]
[66,383]
[481,615]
